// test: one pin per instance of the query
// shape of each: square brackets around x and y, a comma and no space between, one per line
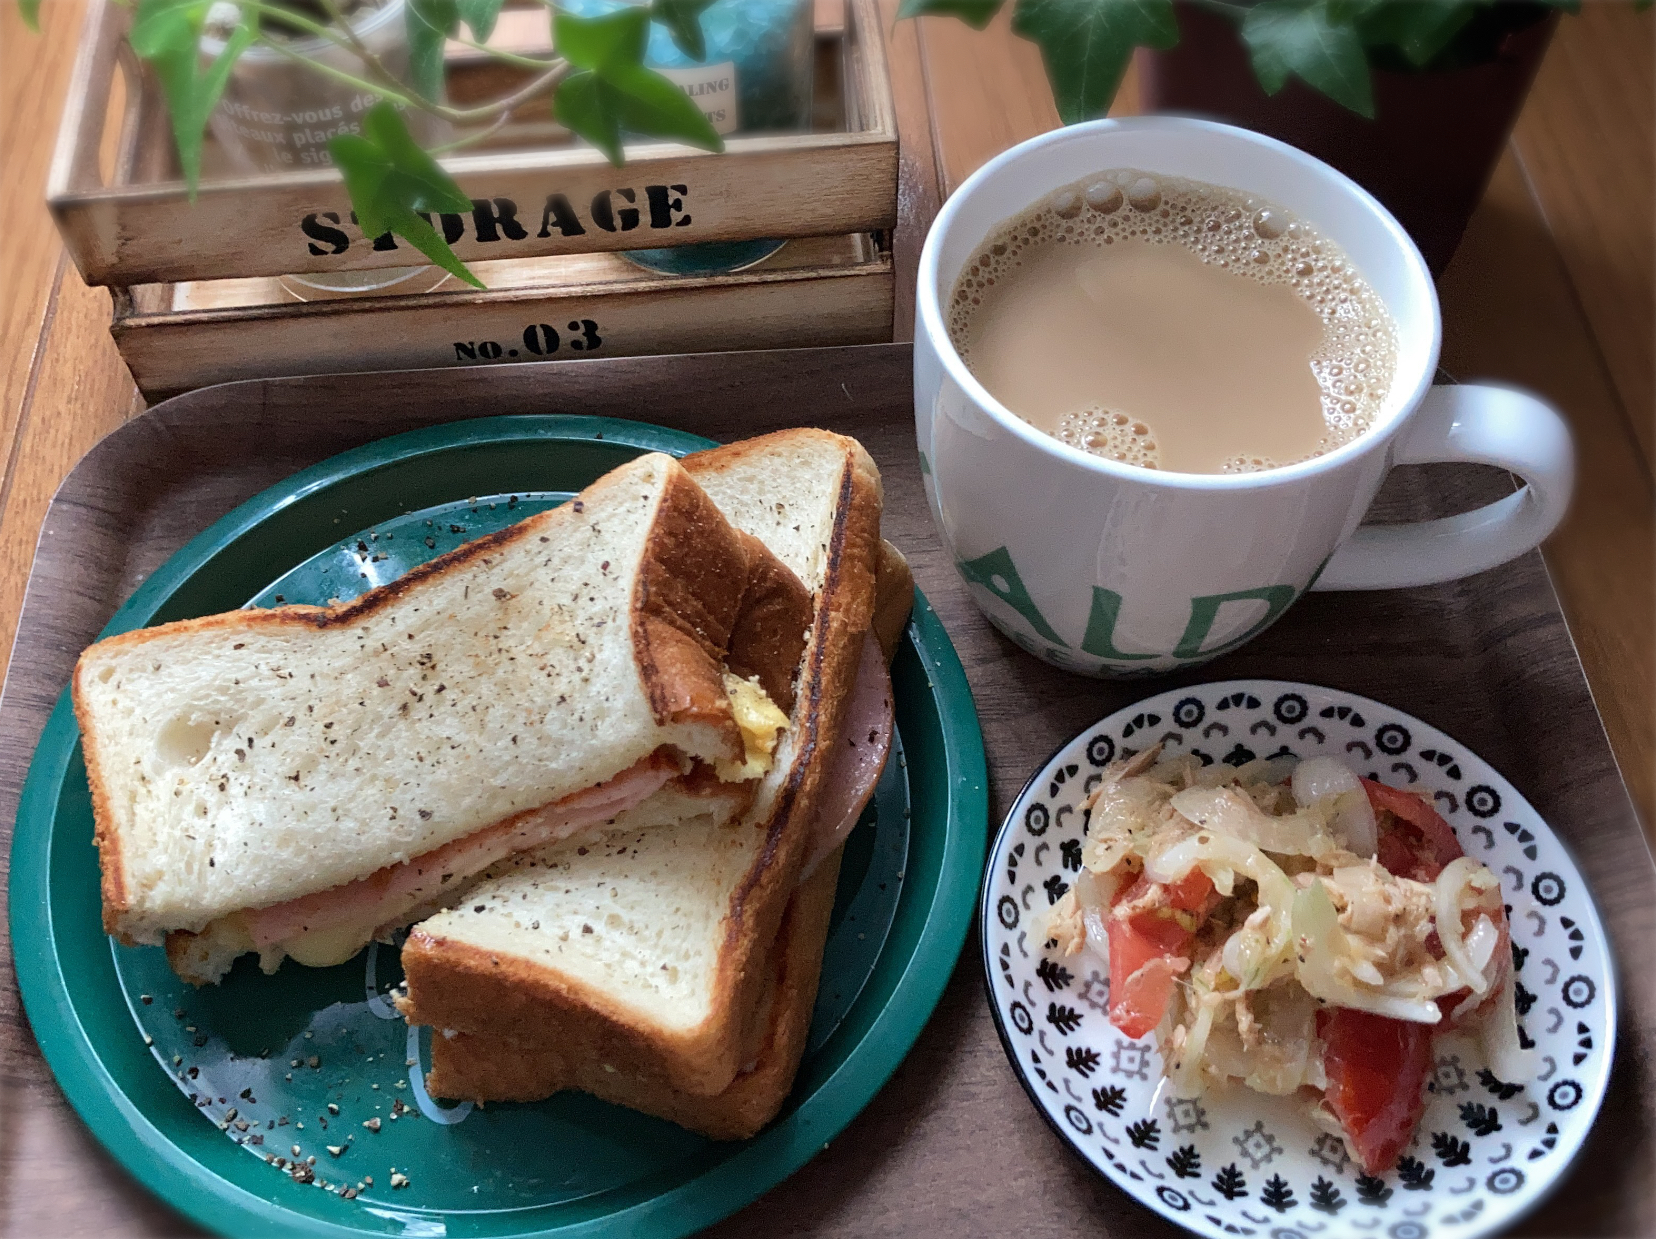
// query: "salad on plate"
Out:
[1289,926]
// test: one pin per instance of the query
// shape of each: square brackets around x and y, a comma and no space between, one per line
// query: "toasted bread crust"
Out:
[484,1068]
[696,566]
[112,885]
[458,987]
[773,626]
[684,613]
[893,598]
[843,618]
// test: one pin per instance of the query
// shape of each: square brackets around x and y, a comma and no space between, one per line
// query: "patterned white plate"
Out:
[1235,1162]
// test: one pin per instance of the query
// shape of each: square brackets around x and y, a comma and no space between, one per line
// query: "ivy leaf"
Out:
[598,43]
[1419,31]
[31,13]
[580,108]
[600,105]
[390,179]
[975,13]
[683,21]
[1086,44]
[612,91]
[166,34]
[429,24]
[1300,37]
[1357,10]
[480,15]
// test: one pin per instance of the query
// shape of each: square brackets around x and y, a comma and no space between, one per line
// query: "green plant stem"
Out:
[471,139]
[296,19]
[343,38]
[349,79]
[545,82]
[505,57]
[357,45]
[1226,8]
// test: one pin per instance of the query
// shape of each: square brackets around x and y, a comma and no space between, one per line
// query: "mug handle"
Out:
[1481,424]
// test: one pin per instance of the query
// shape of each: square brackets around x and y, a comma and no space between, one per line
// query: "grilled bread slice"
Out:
[535,681]
[647,954]
[487,1068]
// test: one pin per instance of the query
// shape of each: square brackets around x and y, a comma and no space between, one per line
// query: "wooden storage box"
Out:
[198,301]
[814,291]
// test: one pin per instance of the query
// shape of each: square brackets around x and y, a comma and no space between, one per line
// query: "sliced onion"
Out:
[1186,1071]
[1507,1058]
[1094,893]
[1229,811]
[1269,770]
[1122,814]
[1172,770]
[1263,949]
[1286,1017]
[1481,943]
[1321,943]
[1224,1055]
[1101,853]
[1318,778]
[1457,875]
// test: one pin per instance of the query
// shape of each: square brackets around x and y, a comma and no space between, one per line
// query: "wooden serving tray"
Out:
[951,1146]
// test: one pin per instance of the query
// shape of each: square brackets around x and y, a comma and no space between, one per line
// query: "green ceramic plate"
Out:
[200,1092]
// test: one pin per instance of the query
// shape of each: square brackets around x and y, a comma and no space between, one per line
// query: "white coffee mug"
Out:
[1111,569]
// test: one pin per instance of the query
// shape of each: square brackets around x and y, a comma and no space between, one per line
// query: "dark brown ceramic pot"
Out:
[1427,154]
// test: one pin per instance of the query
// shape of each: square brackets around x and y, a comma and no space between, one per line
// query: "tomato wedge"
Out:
[1377,1066]
[1149,950]
[1377,1069]
[1424,846]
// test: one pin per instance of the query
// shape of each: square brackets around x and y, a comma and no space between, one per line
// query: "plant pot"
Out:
[1428,153]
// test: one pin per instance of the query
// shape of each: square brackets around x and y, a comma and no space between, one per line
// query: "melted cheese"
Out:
[323,948]
[761,723]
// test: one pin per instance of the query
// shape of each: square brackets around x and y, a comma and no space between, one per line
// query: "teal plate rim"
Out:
[169,1171]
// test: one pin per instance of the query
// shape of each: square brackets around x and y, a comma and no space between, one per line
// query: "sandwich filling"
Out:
[329,927]
[858,759]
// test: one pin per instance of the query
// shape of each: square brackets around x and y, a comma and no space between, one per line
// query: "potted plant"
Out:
[597,83]
[1413,99]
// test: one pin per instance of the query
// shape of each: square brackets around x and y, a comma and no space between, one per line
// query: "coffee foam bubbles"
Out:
[1245,235]
[1110,433]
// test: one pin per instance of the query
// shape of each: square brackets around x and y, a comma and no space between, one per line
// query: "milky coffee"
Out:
[1176,325]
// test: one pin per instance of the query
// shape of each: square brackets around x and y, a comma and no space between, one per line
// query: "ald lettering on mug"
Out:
[998,574]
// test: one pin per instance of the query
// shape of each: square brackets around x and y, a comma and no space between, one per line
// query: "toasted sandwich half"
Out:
[638,968]
[295,781]
[478,1065]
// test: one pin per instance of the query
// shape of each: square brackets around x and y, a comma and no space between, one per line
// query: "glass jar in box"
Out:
[277,114]
[757,77]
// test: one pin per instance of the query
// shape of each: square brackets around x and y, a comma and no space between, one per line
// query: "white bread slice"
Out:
[666,984]
[243,760]
[481,1067]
